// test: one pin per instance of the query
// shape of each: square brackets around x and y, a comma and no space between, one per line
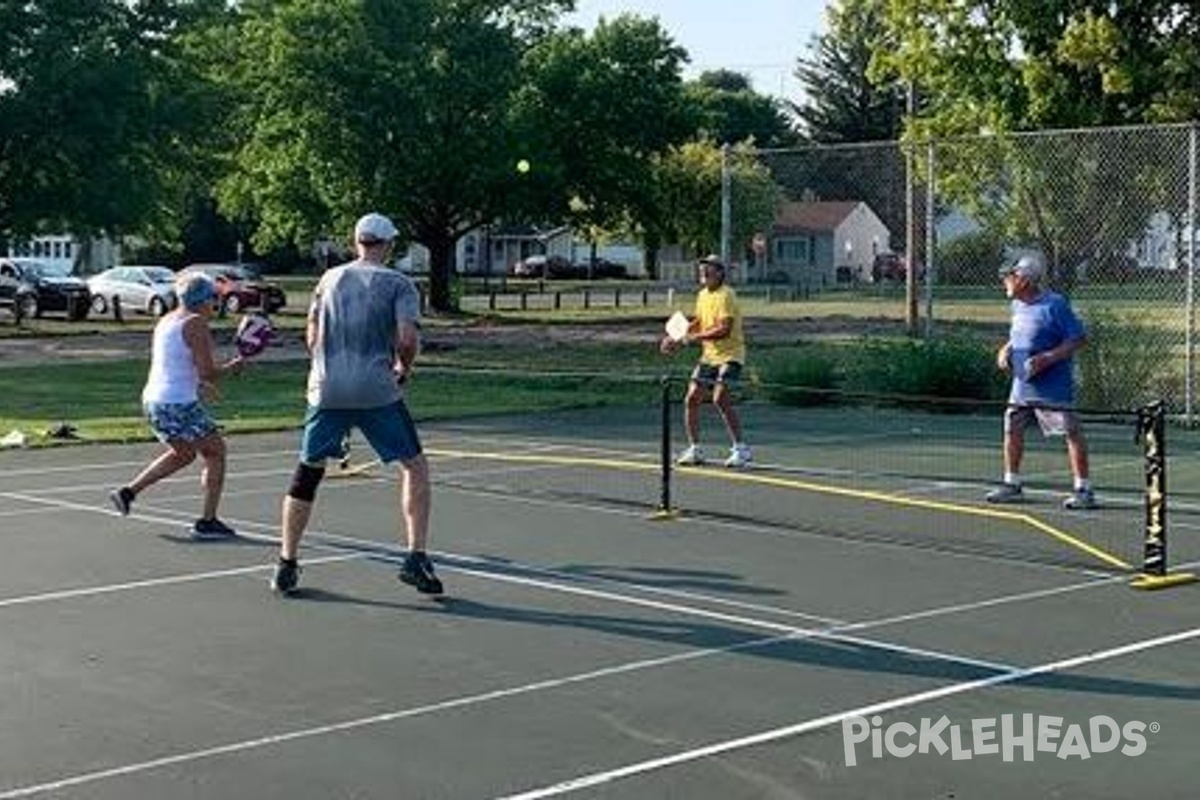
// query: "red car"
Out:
[240,288]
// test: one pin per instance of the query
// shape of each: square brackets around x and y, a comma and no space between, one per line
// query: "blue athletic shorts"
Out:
[174,422]
[388,429]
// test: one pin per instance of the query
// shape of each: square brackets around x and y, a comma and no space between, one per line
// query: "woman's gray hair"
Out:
[195,289]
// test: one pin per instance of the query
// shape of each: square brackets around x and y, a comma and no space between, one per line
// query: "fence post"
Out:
[118,314]
[1190,348]
[929,234]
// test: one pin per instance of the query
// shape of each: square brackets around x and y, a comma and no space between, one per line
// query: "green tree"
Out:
[727,109]
[595,111]
[100,112]
[843,103]
[1003,65]
[1013,65]
[423,108]
[688,180]
[403,108]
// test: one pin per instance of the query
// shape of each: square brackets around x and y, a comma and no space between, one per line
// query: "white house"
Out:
[68,253]
[823,242]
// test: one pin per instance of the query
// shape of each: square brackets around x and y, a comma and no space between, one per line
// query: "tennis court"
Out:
[830,606]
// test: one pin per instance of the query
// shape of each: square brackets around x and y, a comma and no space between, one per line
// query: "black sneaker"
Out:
[418,571]
[212,529]
[287,575]
[122,499]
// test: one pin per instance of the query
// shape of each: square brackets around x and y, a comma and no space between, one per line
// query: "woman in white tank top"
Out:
[183,373]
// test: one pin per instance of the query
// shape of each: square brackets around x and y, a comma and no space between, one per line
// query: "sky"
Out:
[759,38]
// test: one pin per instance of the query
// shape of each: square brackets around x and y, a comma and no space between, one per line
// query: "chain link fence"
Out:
[1111,211]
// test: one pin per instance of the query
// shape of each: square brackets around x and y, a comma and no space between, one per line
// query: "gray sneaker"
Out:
[1081,500]
[1006,493]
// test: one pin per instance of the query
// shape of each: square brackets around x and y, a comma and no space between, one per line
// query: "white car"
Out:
[145,289]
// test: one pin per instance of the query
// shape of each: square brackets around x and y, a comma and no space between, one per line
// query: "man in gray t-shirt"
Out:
[363,336]
[356,311]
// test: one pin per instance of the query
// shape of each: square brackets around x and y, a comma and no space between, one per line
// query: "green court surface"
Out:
[777,637]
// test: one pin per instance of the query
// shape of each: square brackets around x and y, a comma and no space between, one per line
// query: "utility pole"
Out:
[912,311]
[726,213]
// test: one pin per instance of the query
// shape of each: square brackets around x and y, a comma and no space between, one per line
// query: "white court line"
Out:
[608,775]
[91,509]
[788,731]
[169,580]
[30,512]
[169,481]
[657,605]
[493,492]
[377,719]
[112,465]
[381,549]
[484,697]
[785,533]
[274,473]
[831,634]
[834,633]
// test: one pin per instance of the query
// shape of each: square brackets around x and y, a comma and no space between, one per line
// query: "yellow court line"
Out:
[816,488]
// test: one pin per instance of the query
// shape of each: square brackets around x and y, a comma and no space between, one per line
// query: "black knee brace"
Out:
[305,481]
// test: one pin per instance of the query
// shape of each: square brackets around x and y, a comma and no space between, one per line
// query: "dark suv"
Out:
[53,289]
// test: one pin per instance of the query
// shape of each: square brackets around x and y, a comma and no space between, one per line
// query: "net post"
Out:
[665,511]
[1151,431]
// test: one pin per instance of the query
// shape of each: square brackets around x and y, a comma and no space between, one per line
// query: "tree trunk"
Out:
[650,248]
[441,272]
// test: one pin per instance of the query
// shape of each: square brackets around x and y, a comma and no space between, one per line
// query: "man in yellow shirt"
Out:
[717,326]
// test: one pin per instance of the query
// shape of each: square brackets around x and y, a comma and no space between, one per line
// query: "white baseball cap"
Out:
[1027,267]
[373,229]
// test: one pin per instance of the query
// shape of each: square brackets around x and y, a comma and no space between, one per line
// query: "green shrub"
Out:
[798,377]
[958,369]
[972,259]
[1125,363]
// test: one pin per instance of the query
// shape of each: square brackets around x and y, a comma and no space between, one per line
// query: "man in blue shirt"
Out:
[1043,337]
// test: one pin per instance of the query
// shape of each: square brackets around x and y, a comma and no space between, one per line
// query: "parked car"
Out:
[144,289]
[602,268]
[54,289]
[893,267]
[18,298]
[240,288]
[543,266]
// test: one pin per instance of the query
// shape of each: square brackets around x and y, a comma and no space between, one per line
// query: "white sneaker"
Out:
[690,457]
[1081,500]
[739,456]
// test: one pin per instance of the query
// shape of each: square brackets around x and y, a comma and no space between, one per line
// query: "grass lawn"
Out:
[102,400]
